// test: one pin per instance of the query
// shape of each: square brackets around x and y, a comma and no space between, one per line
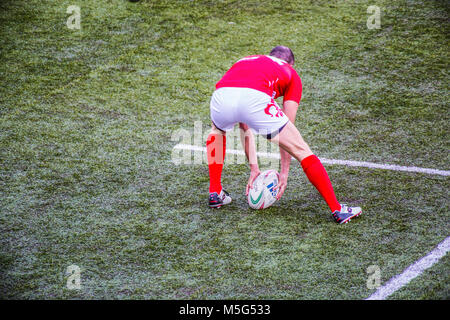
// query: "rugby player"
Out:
[246,95]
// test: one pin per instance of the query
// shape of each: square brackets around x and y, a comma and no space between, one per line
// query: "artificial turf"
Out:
[89,119]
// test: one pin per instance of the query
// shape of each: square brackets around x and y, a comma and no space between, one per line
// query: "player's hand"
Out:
[253,175]
[281,185]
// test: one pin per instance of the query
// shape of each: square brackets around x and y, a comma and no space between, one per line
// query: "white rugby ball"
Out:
[263,195]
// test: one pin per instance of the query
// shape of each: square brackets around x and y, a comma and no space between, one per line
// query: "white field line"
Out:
[411,272]
[348,163]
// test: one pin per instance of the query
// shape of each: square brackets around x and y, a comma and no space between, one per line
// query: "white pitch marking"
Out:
[412,271]
[348,163]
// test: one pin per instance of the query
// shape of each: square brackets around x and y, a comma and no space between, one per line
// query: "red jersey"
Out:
[267,74]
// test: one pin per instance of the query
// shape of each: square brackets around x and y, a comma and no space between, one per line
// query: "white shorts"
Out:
[252,107]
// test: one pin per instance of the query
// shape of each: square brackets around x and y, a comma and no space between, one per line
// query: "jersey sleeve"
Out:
[294,90]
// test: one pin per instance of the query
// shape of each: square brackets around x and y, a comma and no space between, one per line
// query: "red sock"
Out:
[318,176]
[215,151]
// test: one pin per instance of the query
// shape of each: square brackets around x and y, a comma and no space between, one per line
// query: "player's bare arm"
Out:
[248,143]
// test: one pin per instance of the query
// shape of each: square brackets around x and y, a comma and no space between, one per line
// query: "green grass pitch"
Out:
[86,177]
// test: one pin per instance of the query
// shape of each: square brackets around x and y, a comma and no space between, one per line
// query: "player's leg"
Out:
[215,151]
[221,108]
[290,139]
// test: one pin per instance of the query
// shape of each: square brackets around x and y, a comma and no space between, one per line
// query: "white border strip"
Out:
[411,272]
[348,163]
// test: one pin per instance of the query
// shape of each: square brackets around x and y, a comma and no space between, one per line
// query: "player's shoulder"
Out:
[294,73]
[291,73]
[282,64]
[249,58]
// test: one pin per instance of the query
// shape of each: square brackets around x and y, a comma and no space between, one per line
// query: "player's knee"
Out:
[216,131]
